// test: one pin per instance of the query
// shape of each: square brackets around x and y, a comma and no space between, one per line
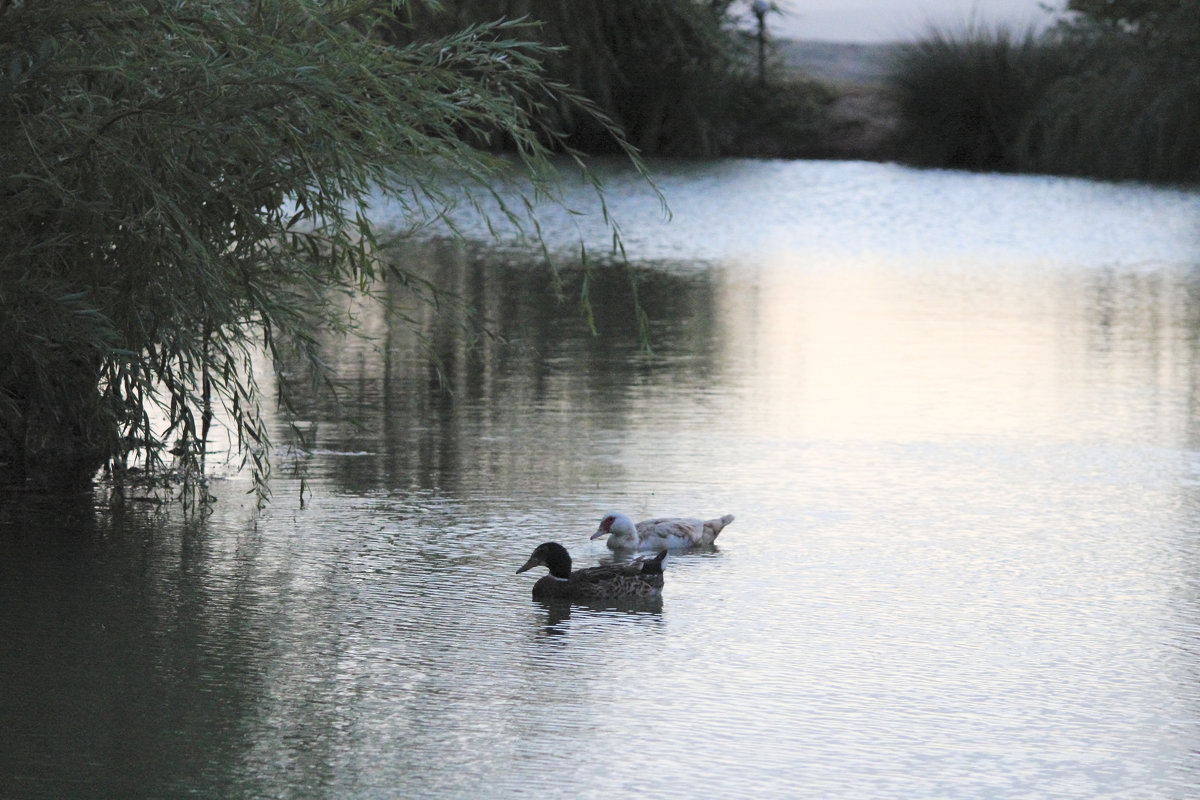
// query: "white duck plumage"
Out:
[660,533]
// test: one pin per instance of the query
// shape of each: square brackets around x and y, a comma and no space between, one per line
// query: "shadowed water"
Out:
[954,415]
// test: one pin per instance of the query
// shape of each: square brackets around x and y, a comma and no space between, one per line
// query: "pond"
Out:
[956,419]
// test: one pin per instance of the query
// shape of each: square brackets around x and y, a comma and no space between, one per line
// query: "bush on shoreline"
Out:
[1104,98]
[963,99]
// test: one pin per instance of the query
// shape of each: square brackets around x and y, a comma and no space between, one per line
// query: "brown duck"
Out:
[642,578]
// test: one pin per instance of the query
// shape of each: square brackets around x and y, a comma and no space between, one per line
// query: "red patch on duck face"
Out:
[606,523]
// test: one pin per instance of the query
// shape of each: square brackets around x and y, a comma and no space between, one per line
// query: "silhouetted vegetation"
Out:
[679,77]
[965,100]
[1113,93]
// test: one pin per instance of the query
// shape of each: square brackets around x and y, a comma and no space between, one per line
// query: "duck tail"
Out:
[654,566]
[718,525]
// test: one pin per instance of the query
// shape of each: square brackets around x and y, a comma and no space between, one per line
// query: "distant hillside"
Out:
[835,62]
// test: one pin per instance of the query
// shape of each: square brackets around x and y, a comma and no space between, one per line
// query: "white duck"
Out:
[657,534]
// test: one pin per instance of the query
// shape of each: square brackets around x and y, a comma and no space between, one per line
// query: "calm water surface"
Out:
[955,416]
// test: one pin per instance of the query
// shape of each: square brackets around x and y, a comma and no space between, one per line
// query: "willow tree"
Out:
[183,183]
[672,73]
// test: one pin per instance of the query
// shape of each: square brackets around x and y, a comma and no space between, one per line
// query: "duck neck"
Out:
[623,527]
[559,564]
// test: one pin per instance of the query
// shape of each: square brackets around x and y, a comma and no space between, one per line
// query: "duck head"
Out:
[618,525]
[551,555]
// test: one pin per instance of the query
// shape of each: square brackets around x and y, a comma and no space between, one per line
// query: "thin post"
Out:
[760,8]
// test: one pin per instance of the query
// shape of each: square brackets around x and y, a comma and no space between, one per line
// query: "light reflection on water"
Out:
[955,416]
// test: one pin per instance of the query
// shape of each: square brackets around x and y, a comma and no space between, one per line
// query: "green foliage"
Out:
[786,118]
[184,183]
[1096,99]
[1121,112]
[963,98]
[668,72]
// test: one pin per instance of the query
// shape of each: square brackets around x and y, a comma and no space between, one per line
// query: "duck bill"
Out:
[600,534]
[530,564]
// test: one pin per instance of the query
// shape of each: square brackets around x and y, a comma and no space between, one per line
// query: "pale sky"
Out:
[892,20]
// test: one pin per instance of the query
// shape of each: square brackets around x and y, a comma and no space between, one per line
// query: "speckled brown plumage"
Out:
[638,579]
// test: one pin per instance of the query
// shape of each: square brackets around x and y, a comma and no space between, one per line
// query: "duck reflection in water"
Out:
[558,610]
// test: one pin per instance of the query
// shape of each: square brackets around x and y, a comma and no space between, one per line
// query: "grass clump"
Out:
[1107,93]
[964,99]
